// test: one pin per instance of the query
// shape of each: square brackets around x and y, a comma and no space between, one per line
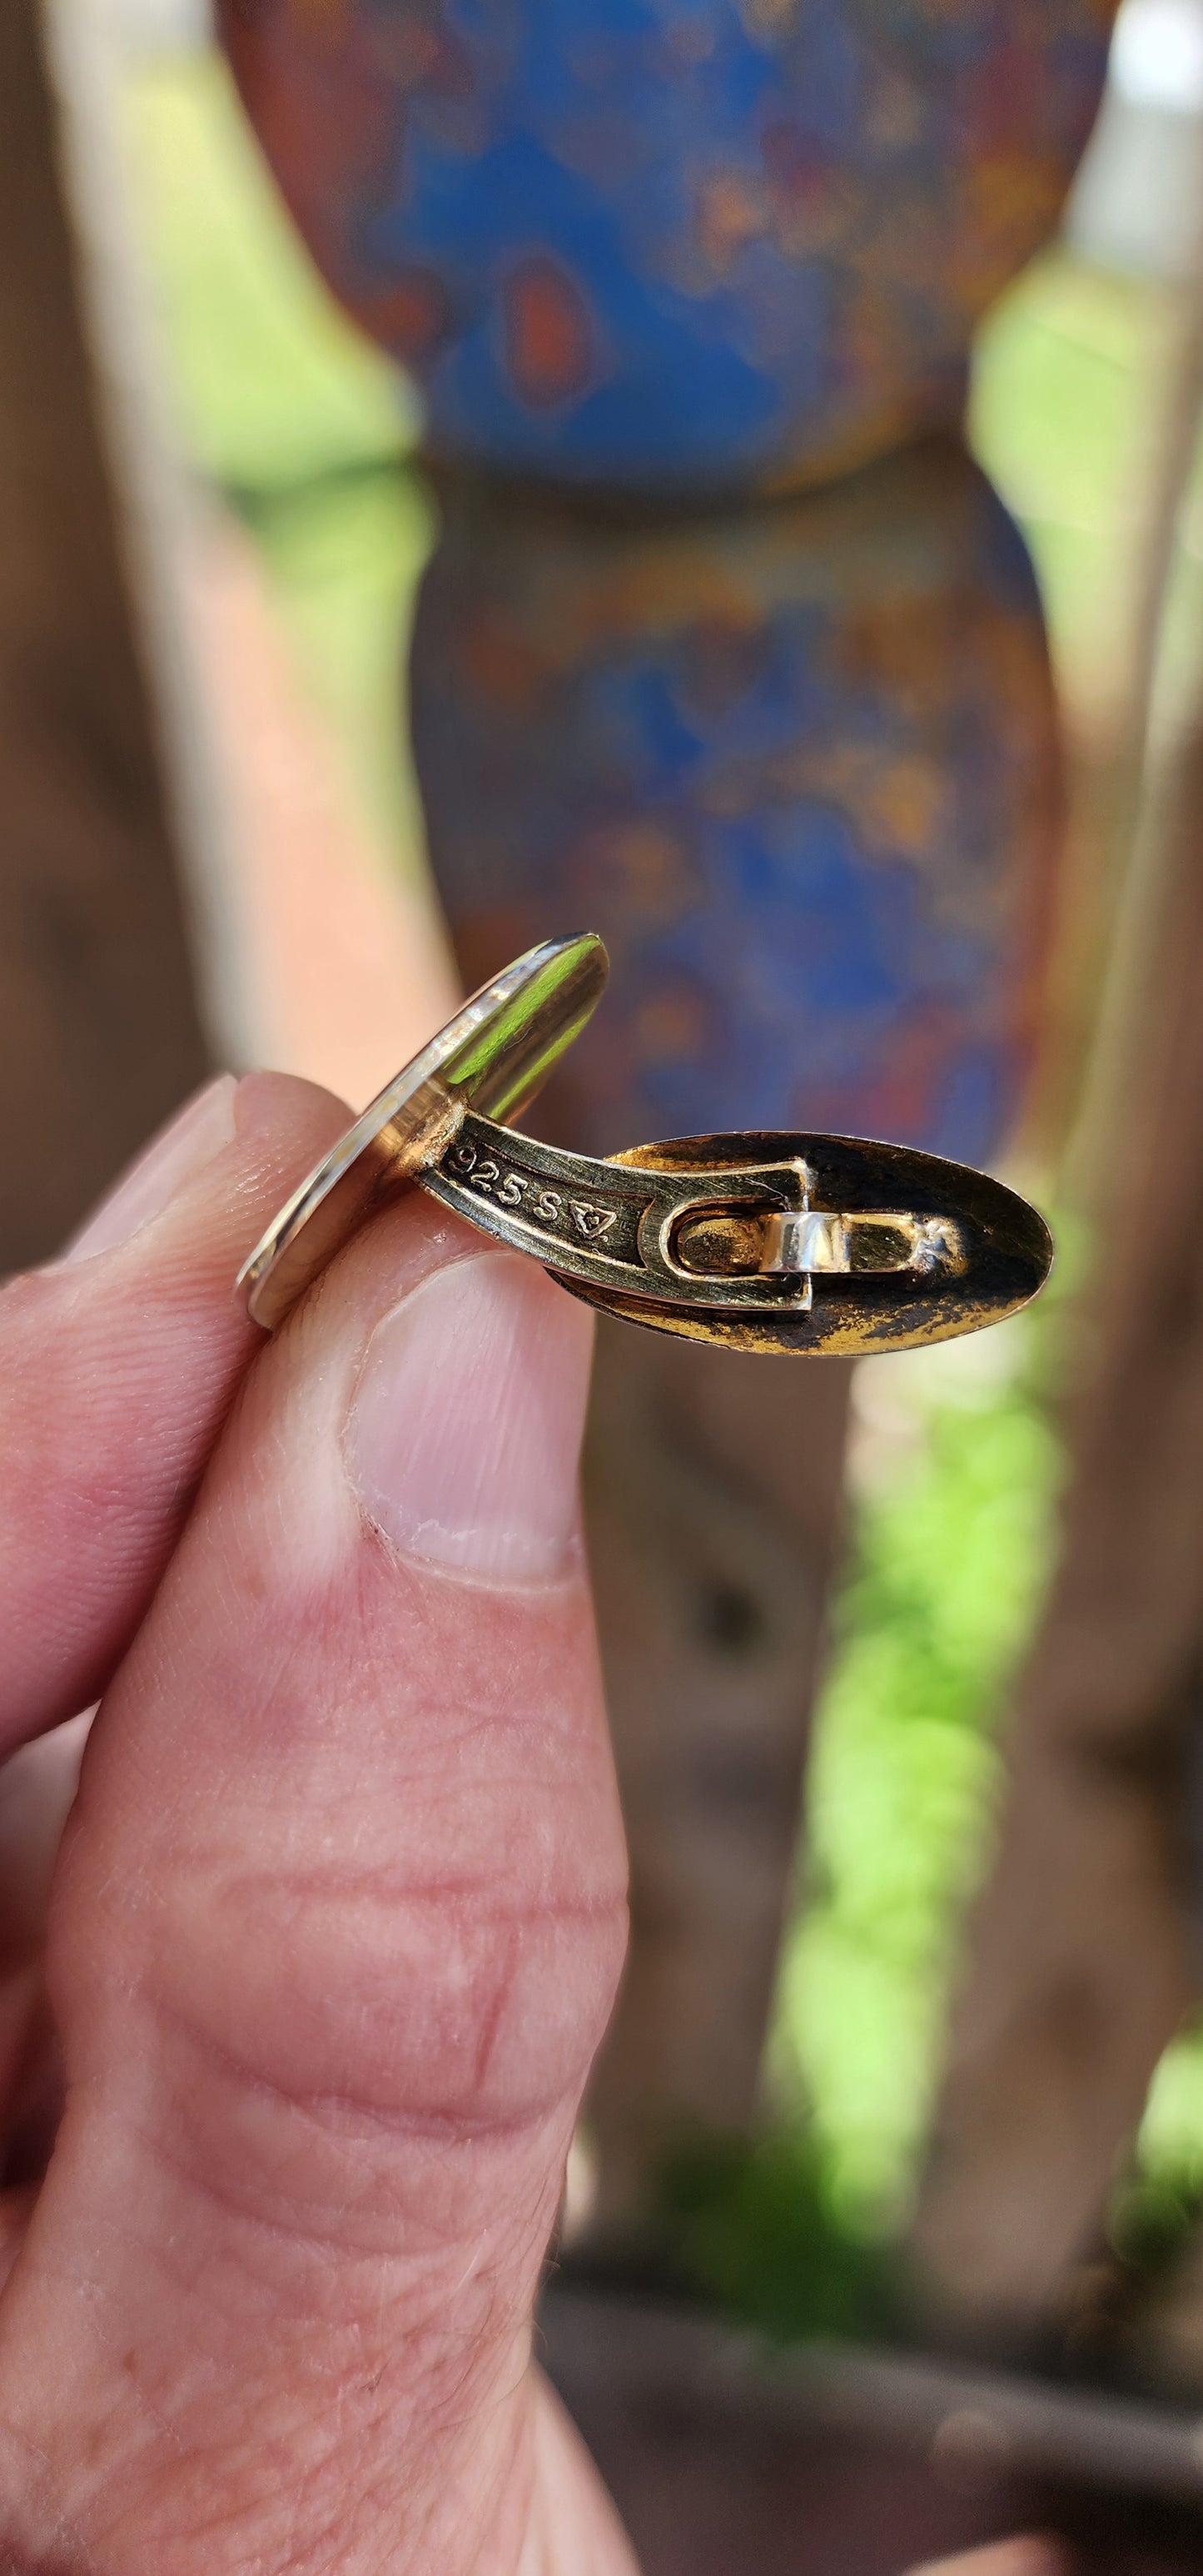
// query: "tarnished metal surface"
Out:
[1003,1250]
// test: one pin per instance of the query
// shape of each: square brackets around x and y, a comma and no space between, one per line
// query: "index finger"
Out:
[117,1368]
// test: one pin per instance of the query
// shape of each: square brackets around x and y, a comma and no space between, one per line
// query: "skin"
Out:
[293,2033]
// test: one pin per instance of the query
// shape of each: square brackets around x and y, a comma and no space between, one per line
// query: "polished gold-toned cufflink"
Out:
[759,1241]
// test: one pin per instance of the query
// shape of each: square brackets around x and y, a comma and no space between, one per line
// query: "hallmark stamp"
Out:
[511,1187]
[592,1222]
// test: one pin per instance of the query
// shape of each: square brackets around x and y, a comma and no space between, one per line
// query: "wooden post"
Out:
[713,1484]
[99,1029]
[1084,1956]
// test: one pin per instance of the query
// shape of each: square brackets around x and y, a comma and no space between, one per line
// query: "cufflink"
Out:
[760,1241]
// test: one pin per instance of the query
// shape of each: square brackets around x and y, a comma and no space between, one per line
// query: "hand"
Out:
[1009,2558]
[340,1907]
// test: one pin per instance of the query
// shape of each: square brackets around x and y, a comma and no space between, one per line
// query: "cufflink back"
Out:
[758,1241]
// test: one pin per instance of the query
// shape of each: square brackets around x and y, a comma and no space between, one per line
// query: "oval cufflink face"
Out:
[859,1247]
[493,1057]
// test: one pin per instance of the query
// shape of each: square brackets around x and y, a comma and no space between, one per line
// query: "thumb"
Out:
[336,1936]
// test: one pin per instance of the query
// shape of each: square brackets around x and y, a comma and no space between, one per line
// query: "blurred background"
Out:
[726,476]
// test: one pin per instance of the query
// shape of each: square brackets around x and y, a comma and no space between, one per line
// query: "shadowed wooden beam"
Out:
[1084,1953]
[713,1483]
[99,1030]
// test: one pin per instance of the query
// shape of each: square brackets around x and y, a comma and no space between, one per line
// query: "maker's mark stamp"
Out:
[592,1222]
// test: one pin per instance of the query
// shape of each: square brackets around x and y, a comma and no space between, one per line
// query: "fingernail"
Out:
[180,1149]
[466,1429]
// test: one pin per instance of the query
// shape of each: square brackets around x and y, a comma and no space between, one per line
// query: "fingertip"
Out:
[284,1121]
[181,1149]
[270,1104]
[117,1366]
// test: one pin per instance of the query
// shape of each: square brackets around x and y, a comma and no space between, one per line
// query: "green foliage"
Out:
[948,1558]
[957,1468]
[1153,2215]
[1067,412]
[1159,2203]
[752,2228]
[271,383]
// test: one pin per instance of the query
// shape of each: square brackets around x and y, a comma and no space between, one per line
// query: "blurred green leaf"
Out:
[271,383]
